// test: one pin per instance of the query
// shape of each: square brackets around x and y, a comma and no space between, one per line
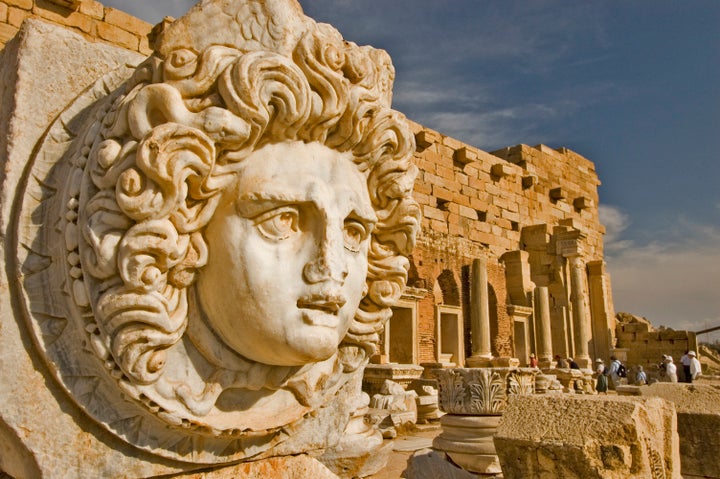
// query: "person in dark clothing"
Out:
[573,364]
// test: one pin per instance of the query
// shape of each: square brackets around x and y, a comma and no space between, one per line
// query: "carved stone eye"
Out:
[354,234]
[278,224]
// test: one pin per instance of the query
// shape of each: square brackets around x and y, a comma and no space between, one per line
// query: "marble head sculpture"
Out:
[236,218]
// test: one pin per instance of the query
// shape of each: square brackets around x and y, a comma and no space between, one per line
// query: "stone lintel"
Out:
[413,294]
[519,311]
[569,243]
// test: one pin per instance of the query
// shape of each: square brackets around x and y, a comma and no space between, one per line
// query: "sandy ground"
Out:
[404,447]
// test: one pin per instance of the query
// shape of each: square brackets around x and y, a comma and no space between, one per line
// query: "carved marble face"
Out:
[288,249]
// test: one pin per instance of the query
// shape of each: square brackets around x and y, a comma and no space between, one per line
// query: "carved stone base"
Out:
[468,441]
[479,361]
[505,362]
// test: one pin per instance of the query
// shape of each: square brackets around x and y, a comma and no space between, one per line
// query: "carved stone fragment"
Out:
[206,246]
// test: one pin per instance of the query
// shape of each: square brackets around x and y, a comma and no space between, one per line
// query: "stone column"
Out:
[479,315]
[602,316]
[581,323]
[542,325]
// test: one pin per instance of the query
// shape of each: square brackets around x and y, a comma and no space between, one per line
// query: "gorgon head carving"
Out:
[163,152]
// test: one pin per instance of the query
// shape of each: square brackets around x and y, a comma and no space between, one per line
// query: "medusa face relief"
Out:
[288,249]
[220,234]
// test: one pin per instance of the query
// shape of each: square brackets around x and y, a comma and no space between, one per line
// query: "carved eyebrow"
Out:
[253,204]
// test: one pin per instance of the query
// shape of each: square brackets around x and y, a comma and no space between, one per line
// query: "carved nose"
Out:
[328,265]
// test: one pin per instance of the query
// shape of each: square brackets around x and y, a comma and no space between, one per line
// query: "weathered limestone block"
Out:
[360,451]
[167,303]
[376,375]
[542,437]
[698,419]
[428,407]
[394,408]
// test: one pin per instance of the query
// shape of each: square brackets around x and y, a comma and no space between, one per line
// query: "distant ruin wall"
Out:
[646,348]
[477,203]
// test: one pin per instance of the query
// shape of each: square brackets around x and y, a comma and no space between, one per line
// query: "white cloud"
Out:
[674,283]
[615,222]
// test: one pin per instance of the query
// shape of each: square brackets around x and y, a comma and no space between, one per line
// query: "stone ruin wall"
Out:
[474,203]
[441,266]
[477,203]
[645,347]
[87,17]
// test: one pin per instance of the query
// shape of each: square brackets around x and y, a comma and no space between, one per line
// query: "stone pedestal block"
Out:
[542,437]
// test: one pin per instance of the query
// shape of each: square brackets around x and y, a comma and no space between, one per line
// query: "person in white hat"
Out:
[670,369]
[601,386]
[695,367]
[685,361]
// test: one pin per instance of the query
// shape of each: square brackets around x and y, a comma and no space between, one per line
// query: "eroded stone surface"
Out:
[698,419]
[589,437]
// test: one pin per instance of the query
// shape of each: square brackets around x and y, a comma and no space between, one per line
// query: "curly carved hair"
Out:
[162,153]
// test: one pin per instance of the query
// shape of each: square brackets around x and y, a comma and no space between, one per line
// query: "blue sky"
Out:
[633,86]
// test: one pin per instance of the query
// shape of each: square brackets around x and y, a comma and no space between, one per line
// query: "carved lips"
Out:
[321,309]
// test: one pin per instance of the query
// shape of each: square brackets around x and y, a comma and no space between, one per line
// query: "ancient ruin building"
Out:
[523,220]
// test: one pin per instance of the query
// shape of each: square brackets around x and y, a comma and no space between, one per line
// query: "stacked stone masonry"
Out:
[87,17]
[511,206]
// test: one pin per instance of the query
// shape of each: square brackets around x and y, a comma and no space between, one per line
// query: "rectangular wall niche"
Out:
[449,345]
[401,334]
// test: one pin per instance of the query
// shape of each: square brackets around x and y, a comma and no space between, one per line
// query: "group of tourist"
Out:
[689,362]
[609,377]
[565,363]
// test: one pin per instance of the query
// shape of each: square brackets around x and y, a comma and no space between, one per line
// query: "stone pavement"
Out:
[405,446]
